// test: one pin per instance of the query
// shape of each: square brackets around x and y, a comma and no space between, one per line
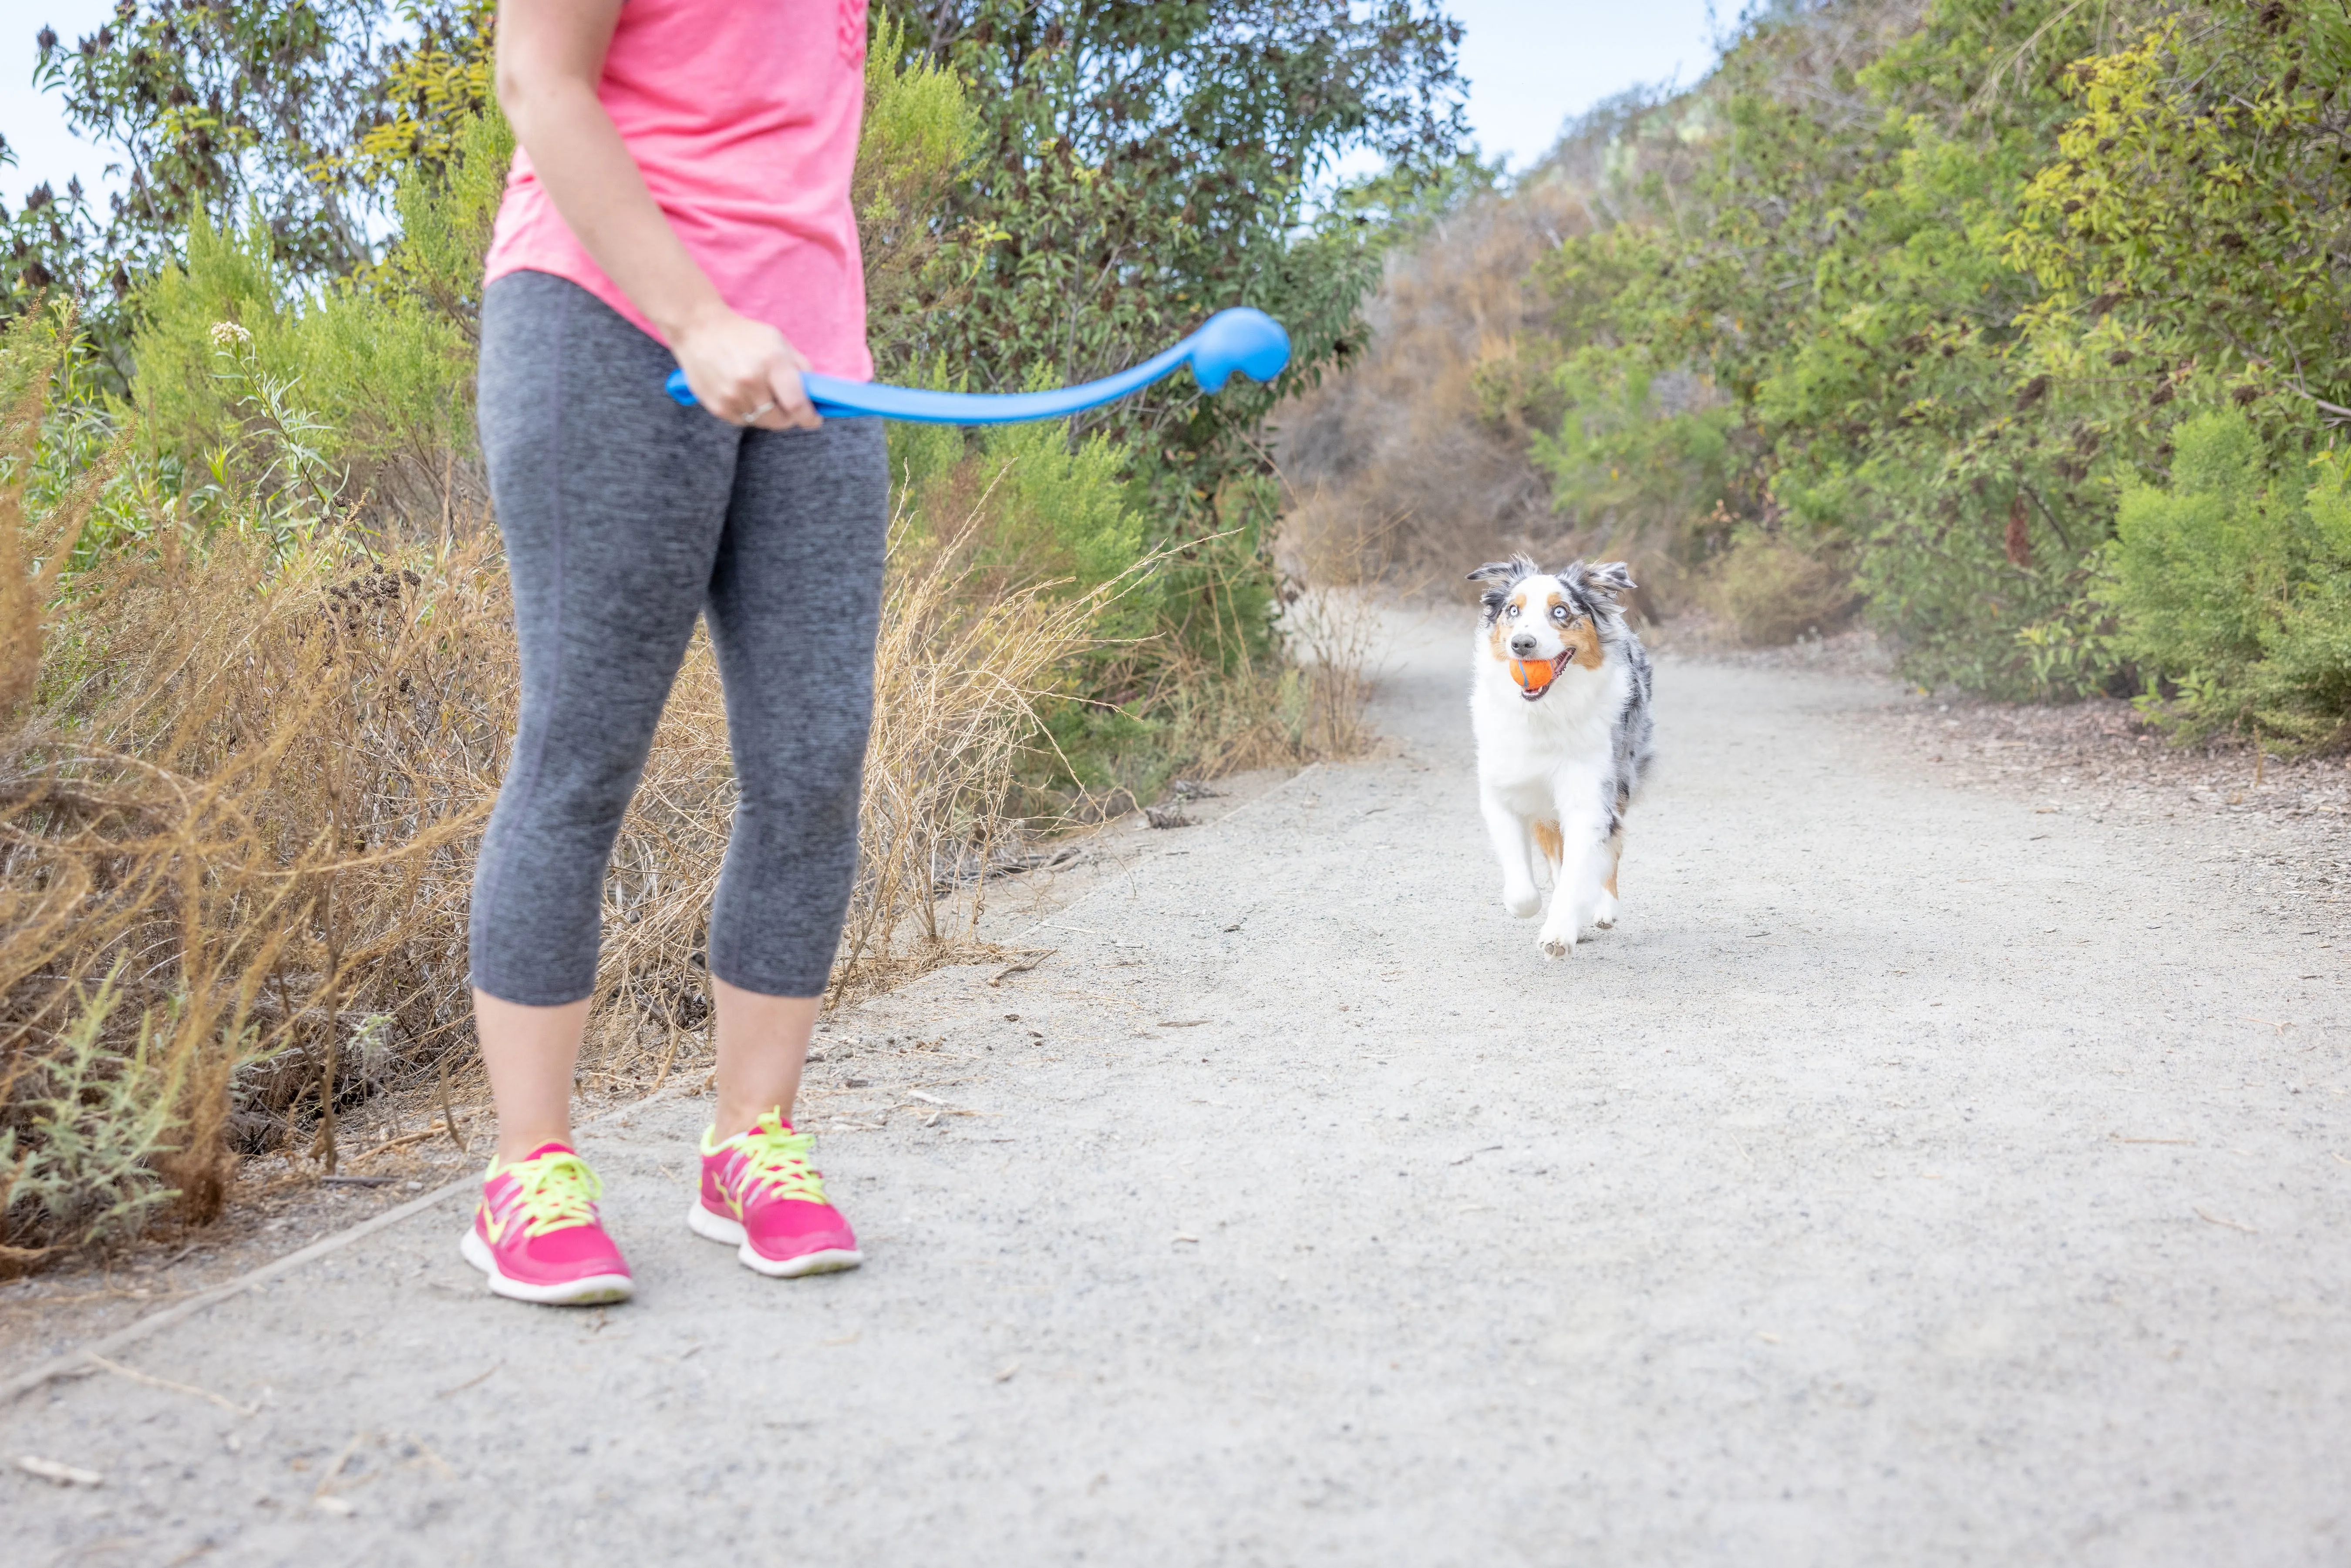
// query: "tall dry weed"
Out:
[1305,706]
[959,671]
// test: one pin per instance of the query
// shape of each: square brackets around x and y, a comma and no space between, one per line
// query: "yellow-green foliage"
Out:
[445,218]
[250,395]
[434,90]
[1065,511]
[383,375]
[2238,590]
[920,126]
[1039,511]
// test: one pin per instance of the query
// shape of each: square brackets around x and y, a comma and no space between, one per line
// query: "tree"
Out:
[227,108]
[1141,166]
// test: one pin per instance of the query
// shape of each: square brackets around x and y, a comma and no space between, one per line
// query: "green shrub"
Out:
[221,345]
[1636,453]
[80,1163]
[1950,276]
[2231,584]
[1963,611]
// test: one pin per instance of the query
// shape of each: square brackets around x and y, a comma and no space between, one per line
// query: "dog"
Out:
[1560,704]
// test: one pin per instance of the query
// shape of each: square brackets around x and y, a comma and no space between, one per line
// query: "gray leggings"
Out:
[624,516]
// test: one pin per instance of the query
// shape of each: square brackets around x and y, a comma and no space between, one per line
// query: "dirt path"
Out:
[1912,1177]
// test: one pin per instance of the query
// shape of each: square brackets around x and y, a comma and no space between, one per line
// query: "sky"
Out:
[1533,64]
[35,129]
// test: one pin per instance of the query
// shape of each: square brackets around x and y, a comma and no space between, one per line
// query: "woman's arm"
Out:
[550,58]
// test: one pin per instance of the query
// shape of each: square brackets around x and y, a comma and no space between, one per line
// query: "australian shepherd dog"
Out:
[1561,707]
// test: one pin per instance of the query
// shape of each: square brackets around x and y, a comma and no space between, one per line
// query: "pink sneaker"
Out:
[537,1235]
[762,1196]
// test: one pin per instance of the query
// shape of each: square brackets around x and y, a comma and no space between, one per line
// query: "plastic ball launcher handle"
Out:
[1243,339]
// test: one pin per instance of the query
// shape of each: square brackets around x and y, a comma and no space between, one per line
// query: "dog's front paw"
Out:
[1556,946]
[1521,902]
[1604,918]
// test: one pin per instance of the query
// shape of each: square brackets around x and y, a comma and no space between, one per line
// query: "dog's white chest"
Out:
[1566,732]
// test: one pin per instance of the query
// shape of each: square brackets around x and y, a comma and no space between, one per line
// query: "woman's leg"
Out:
[530,1054]
[762,1045]
[610,501]
[795,598]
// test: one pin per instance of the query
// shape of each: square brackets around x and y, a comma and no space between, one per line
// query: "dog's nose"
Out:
[1524,643]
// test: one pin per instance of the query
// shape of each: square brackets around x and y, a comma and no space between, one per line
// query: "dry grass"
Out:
[959,669]
[1276,715]
[1769,594]
[240,789]
[234,799]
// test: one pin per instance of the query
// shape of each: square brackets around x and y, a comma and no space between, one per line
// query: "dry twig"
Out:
[135,1375]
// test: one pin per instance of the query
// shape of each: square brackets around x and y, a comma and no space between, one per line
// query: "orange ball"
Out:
[1533,674]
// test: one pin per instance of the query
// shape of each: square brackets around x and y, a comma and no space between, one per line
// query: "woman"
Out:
[680,198]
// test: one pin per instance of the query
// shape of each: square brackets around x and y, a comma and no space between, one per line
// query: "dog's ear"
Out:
[1606,579]
[1499,576]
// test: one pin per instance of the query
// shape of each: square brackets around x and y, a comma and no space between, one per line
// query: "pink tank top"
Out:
[743,115]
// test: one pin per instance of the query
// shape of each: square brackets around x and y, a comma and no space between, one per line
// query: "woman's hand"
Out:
[745,372]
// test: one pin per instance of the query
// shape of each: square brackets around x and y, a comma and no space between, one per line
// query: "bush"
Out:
[1924,290]
[2235,586]
[1770,592]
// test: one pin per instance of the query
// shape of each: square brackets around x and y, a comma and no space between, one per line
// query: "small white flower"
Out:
[228,334]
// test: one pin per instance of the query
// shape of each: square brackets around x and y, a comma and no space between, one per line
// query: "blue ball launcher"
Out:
[1243,339]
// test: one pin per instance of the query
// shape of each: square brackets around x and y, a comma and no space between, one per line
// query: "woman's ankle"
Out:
[728,1120]
[524,1144]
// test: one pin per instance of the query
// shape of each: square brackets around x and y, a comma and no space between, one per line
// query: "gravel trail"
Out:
[1913,1175]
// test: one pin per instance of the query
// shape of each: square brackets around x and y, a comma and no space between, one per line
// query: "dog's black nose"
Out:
[1522,644]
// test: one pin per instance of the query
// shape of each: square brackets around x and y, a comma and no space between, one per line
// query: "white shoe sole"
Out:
[595,1289]
[718,1228]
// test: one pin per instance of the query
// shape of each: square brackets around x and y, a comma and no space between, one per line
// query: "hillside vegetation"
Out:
[2021,327]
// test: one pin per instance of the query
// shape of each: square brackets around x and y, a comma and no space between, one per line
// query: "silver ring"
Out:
[756,412]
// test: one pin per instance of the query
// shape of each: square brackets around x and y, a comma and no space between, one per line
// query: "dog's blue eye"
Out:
[1559,611]
[1512,613]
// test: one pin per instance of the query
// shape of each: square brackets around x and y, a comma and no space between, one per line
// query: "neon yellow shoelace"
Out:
[555,1192]
[776,1161]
